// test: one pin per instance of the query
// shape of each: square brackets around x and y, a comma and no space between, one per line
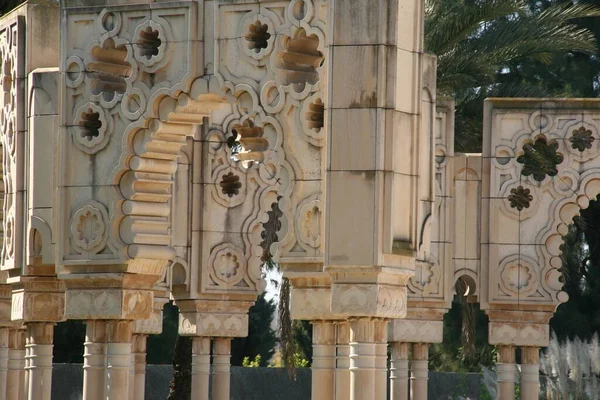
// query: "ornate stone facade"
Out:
[168,149]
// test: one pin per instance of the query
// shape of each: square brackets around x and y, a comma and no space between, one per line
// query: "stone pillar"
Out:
[15,389]
[506,371]
[362,359]
[381,344]
[94,360]
[200,367]
[4,345]
[323,367]
[118,358]
[419,371]
[221,368]
[530,373]
[39,360]
[399,372]
[342,361]
[139,357]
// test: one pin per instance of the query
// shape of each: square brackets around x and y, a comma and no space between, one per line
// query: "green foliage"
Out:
[300,362]
[580,316]
[7,5]
[450,355]
[261,339]
[485,395]
[508,48]
[247,363]
[302,336]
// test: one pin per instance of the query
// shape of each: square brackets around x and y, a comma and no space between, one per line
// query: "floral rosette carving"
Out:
[88,228]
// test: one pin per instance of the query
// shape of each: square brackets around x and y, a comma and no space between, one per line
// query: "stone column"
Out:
[221,368]
[39,345]
[4,343]
[419,371]
[15,389]
[530,373]
[399,371]
[118,358]
[362,359]
[342,361]
[200,368]
[94,360]
[381,345]
[323,367]
[139,357]
[506,371]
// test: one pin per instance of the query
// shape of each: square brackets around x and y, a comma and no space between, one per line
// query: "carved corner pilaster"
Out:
[38,299]
[154,324]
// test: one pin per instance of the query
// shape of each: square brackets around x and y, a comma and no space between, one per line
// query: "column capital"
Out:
[324,332]
[530,355]
[119,331]
[420,351]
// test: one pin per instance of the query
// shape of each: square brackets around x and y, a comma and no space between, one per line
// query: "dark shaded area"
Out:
[161,347]
[68,342]
[180,387]
[261,339]
[260,383]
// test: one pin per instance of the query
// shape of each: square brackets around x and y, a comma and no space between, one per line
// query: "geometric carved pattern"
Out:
[11,122]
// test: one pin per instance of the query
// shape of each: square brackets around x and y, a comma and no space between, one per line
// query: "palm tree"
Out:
[483,45]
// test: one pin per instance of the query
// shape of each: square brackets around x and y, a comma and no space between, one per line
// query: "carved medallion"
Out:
[227,265]
[88,228]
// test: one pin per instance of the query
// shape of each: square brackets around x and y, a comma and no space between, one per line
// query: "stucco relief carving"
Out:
[228,265]
[88,228]
[552,152]
[12,41]
[415,331]
[120,64]
[519,334]
[108,304]
[383,301]
[283,46]
[213,325]
[37,306]
[518,276]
